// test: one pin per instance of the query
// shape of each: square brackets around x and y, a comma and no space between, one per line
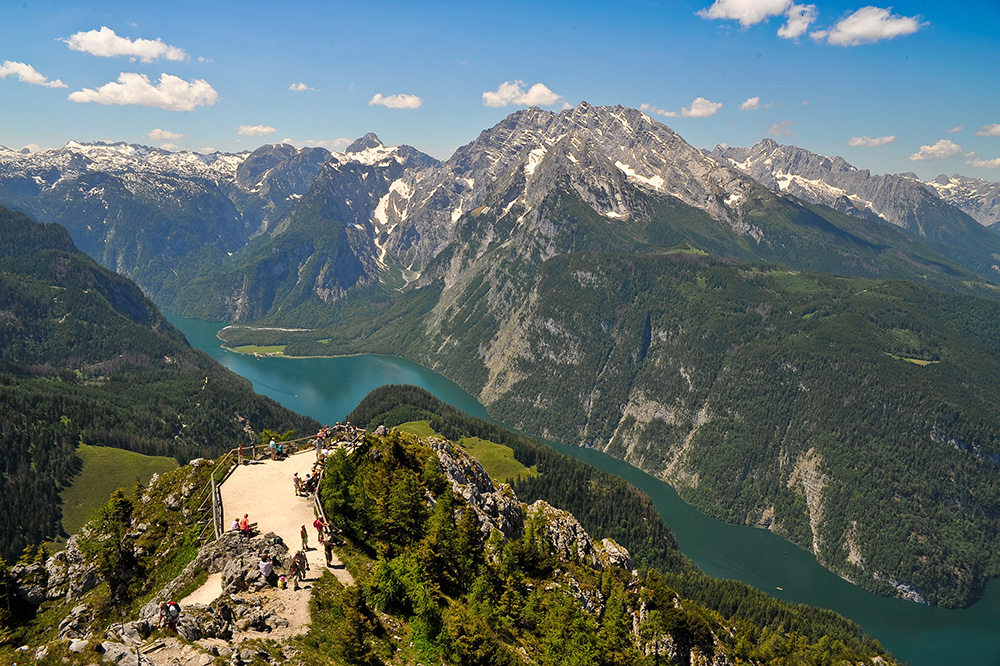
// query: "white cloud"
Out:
[300,86]
[984,164]
[513,92]
[747,12]
[107,44]
[867,25]
[172,93]
[164,135]
[942,150]
[27,74]
[400,101]
[700,108]
[955,129]
[170,146]
[869,142]
[255,130]
[342,142]
[989,130]
[751,104]
[784,128]
[800,17]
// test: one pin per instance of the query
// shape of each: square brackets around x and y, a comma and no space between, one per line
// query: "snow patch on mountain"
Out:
[655,182]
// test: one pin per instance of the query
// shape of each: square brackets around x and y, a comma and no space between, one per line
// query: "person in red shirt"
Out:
[320,524]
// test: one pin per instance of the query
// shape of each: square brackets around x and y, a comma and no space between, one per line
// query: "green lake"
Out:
[329,388]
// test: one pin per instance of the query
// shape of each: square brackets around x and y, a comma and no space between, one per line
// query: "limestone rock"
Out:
[116,653]
[68,575]
[611,554]
[496,508]
[568,538]
[232,554]
[30,582]
[75,624]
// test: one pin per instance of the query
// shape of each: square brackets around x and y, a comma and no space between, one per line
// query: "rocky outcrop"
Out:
[233,555]
[496,507]
[571,542]
[67,574]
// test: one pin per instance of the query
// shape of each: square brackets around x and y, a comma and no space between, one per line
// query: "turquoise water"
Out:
[329,388]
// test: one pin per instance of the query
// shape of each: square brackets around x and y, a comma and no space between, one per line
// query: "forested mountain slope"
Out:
[447,568]
[853,416]
[85,357]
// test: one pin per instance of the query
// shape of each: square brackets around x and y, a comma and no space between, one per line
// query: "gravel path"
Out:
[264,491]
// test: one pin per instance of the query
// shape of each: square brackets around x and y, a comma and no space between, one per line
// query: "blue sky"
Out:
[911,86]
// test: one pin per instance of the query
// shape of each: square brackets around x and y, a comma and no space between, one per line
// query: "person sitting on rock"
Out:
[267,570]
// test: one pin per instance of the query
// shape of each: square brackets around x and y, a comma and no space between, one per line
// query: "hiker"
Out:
[236,525]
[169,613]
[298,568]
[239,454]
[267,570]
[298,484]
[320,524]
[274,449]
[245,525]
[328,551]
[304,533]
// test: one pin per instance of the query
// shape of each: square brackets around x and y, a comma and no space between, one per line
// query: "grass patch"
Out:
[916,361]
[105,469]
[421,429]
[795,282]
[690,249]
[269,350]
[497,459]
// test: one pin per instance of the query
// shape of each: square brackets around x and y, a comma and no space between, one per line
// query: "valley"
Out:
[918,633]
[784,358]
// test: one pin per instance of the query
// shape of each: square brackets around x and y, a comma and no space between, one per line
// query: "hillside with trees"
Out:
[86,358]
[441,576]
[852,416]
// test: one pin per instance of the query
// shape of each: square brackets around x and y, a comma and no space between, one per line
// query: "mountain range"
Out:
[593,278]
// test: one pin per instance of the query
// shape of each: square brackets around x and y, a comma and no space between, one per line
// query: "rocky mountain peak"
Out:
[369,140]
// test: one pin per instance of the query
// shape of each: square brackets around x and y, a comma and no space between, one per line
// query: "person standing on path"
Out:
[328,550]
[304,533]
[274,449]
[298,568]
[320,524]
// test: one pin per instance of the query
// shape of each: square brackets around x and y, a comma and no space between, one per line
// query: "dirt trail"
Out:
[264,491]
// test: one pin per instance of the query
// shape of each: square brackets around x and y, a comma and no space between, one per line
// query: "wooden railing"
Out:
[212,506]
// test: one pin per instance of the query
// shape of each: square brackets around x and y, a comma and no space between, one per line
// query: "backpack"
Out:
[173,610]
